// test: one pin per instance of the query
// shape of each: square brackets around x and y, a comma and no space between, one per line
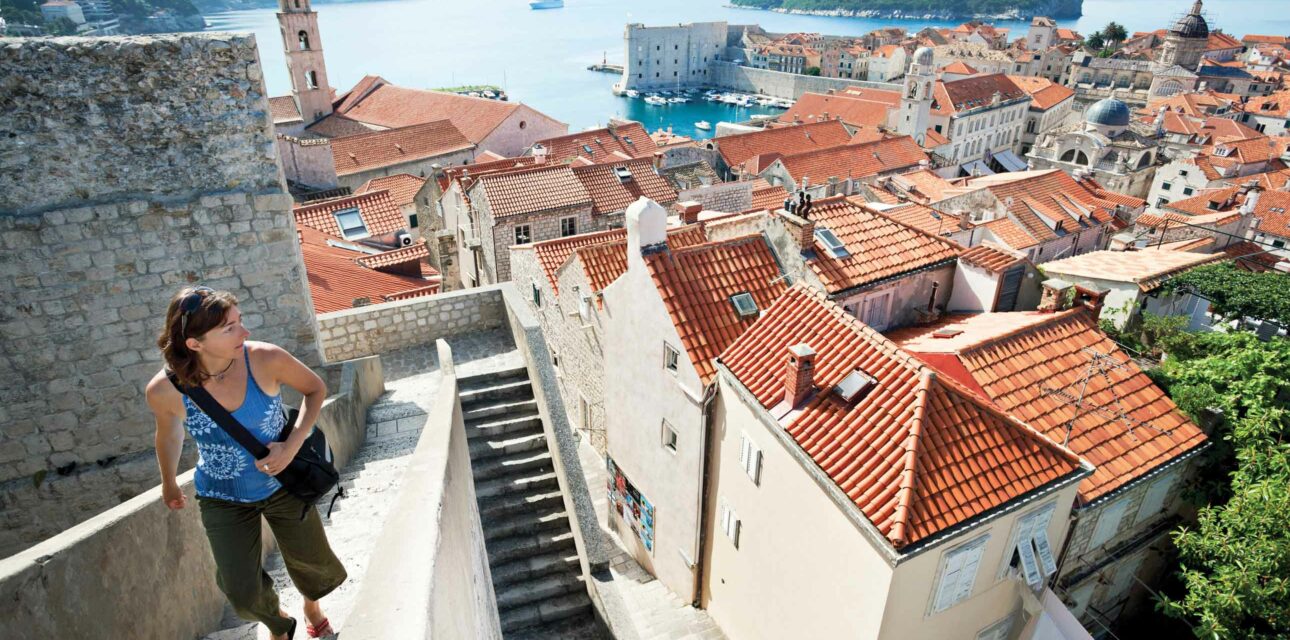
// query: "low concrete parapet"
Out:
[389,326]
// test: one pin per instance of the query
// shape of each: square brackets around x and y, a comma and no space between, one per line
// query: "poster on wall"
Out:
[630,505]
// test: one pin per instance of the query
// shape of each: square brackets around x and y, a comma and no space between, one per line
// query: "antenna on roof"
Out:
[1100,364]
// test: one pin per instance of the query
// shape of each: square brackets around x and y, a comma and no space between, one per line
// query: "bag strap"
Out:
[206,402]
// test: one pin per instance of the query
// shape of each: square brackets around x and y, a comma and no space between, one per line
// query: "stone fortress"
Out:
[99,232]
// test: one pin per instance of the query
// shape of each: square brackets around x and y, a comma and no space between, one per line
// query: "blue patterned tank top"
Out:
[224,469]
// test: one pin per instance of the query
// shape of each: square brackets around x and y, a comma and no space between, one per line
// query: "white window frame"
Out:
[957,581]
[750,458]
[998,630]
[1030,540]
[1106,527]
[669,437]
[731,525]
[528,233]
[1157,495]
[671,358]
[573,226]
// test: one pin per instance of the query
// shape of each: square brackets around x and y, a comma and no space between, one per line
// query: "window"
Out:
[311,79]
[1108,523]
[1188,191]
[750,458]
[669,437]
[997,631]
[522,234]
[670,357]
[1166,186]
[303,39]
[744,304]
[1031,553]
[351,224]
[1183,173]
[568,226]
[1154,502]
[412,221]
[537,296]
[730,523]
[584,412]
[831,242]
[958,574]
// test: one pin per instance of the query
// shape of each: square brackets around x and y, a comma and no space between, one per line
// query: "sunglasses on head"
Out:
[192,301]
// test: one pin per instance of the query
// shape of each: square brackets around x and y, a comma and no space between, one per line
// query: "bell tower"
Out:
[305,64]
[916,97]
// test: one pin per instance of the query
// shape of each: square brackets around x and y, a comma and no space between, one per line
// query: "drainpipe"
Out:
[700,542]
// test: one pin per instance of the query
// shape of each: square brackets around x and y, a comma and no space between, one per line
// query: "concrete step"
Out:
[578,627]
[527,462]
[532,482]
[539,589]
[528,544]
[492,378]
[481,450]
[503,424]
[502,392]
[532,567]
[504,506]
[549,519]
[385,410]
[546,612]
[498,411]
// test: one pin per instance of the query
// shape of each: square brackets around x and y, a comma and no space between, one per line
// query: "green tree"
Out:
[1235,293]
[812,71]
[1114,33]
[1095,41]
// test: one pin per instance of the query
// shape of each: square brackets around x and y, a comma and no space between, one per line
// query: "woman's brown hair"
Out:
[173,341]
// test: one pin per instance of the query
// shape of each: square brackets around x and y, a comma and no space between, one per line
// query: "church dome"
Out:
[1192,25]
[1109,112]
[923,56]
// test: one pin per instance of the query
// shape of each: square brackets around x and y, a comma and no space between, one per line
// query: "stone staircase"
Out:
[536,574]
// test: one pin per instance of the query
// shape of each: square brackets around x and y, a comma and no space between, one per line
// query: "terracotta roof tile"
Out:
[605,260]
[855,160]
[991,258]
[878,246]
[477,169]
[392,106]
[611,194]
[959,67]
[918,453]
[1044,93]
[283,109]
[379,213]
[1251,257]
[854,110]
[417,252]
[627,140]
[1011,234]
[337,277]
[925,183]
[1147,269]
[973,92]
[531,190]
[923,218]
[769,197]
[338,126]
[1022,360]
[403,187]
[737,149]
[377,149]
[696,284]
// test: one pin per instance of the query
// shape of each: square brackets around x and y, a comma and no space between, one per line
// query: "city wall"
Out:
[365,331]
[132,166]
[782,85]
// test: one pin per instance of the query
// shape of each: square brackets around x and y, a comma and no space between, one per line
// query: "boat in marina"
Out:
[546,4]
[703,125]
[632,93]
[678,100]
[655,100]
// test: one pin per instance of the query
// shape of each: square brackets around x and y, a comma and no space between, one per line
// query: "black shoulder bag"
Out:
[309,476]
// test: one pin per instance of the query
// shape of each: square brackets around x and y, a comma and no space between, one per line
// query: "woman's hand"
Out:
[280,455]
[173,496]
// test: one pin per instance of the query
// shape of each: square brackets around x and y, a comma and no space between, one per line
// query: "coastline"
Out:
[874,14]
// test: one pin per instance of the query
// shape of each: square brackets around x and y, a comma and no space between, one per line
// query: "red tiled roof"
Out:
[769,197]
[531,190]
[855,160]
[923,218]
[1050,193]
[1276,105]
[1271,210]
[403,187]
[1147,269]
[918,453]
[417,252]
[378,210]
[283,109]
[959,67]
[337,276]
[1024,361]
[1251,257]
[970,93]
[610,194]
[924,182]
[737,149]
[879,247]
[696,284]
[1258,39]
[1219,40]
[626,141]
[477,169]
[989,257]
[1205,203]
[853,110]
[338,126]
[552,254]
[391,147]
[1192,104]
[932,139]
[1044,93]
[603,261]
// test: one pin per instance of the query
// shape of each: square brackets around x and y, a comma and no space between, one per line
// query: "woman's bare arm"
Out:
[169,440]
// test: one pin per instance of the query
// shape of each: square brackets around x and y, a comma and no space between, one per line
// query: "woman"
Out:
[204,344]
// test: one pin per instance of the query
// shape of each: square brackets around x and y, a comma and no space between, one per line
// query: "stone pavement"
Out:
[372,479]
[656,612]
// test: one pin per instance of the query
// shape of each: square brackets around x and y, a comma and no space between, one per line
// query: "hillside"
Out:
[997,9]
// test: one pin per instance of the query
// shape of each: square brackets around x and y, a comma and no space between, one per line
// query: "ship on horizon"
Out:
[546,4]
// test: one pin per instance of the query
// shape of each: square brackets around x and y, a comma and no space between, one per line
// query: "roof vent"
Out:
[946,333]
[744,304]
[855,386]
[624,174]
[831,242]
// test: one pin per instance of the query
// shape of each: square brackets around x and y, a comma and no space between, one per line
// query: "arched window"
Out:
[1076,156]
[297,4]
[1144,161]
[311,79]
[1030,126]
[304,40]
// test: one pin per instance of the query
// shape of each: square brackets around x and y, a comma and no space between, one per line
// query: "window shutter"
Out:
[750,458]
[1045,552]
[967,576]
[755,471]
[1029,564]
[959,574]
[1108,523]
[745,448]
[736,527]
[1155,498]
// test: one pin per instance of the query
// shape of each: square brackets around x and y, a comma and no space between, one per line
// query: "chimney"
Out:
[690,211]
[1090,298]
[833,186]
[799,373]
[539,154]
[658,160]
[1056,295]
[646,228]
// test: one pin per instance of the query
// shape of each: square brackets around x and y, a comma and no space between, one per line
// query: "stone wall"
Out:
[729,197]
[385,327]
[130,179]
[780,84]
[308,161]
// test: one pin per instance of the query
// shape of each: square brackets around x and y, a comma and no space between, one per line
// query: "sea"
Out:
[540,57]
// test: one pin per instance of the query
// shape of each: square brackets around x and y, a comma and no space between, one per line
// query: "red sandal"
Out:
[322,630]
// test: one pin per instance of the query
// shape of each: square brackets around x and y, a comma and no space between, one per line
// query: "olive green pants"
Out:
[233,529]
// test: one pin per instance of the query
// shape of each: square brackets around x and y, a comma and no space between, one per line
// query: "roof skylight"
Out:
[744,304]
[831,242]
